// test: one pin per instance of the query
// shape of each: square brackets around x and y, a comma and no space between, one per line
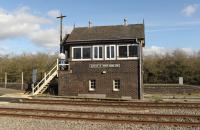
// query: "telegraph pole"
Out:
[61,19]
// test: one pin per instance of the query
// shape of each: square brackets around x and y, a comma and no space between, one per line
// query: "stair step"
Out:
[46,83]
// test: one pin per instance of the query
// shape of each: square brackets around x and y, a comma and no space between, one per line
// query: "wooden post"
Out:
[5,79]
[45,76]
[22,87]
[57,64]
[61,19]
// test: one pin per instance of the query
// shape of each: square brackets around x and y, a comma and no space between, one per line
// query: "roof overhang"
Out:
[98,41]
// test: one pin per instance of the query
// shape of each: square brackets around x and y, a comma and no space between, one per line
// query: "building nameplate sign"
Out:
[104,65]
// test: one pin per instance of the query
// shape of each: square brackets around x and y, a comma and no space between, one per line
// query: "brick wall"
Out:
[76,81]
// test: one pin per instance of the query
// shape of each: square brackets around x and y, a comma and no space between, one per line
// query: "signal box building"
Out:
[103,62]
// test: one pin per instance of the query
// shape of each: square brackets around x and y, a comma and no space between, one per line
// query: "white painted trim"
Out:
[72,54]
[115,89]
[91,89]
[81,53]
[118,51]
[98,46]
[104,52]
[127,58]
[81,59]
[110,52]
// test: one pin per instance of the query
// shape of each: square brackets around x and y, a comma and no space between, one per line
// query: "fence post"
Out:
[22,87]
[5,79]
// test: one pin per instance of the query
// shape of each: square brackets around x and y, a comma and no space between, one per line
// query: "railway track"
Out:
[112,103]
[180,120]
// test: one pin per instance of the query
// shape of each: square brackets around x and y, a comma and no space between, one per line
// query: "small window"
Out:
[110,52]
[81,53]
[116,85]
[77,53]
[86,52]
[133,51]
[97,52]
[129,51]
[92,85]
[101,52]
[123,52]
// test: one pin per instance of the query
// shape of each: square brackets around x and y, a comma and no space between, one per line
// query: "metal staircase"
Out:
[40,87]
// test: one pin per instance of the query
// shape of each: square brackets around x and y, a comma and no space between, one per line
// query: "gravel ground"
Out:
[8,123]
[103,109]
[8,91]
[14,123]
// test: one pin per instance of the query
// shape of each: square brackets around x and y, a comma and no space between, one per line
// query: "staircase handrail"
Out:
[45,78]
[51,65]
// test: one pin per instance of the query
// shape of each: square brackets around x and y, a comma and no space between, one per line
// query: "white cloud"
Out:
[189,51]
[48,37]
[54,13]
[189,10]
[22,23]
[155,50]
[19,23]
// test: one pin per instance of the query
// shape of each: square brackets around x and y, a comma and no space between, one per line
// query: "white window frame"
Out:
[81,53]
[90,85]
[93,54]
[110,52]
[125,58]
[114,86]
[73,52]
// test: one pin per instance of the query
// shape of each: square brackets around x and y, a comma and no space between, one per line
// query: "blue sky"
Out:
[31,26]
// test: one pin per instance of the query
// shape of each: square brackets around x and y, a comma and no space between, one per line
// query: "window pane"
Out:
[95,52]
[108,51]
[100,52]
[133,51]
[87,53]
[77,53]
[92,84]
[112,52]
[116,85]
[122,51]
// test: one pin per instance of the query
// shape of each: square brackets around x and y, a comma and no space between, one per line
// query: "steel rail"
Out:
[86,112]
[113,104]
[55,114]
[107,101]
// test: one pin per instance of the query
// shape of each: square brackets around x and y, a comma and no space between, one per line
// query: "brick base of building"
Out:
[75,82]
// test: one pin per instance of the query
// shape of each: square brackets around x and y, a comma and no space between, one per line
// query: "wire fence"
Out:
[12,80]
